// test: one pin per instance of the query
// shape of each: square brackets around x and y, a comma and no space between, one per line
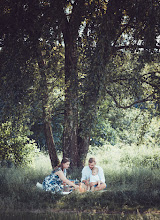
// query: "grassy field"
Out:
[133,187]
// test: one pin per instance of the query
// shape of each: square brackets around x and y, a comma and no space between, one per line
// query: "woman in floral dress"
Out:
[54,181]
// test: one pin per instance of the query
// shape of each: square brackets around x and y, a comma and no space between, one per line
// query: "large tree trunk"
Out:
[83,147]
[50,143]
[85,126]
[70,147]
[47,125]
[47,115]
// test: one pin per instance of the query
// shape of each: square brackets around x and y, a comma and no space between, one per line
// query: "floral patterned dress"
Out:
[53,182]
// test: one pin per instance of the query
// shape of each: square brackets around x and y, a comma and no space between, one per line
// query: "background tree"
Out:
[110,34]
[24,25]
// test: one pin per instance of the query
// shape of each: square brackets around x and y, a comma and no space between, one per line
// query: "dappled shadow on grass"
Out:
[109,200]
[98,205]
[75,215]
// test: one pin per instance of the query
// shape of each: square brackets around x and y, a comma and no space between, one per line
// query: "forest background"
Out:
[76,76]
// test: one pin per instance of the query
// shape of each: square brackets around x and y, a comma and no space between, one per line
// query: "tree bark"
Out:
[50,143]
[47,115]
[70,147]
[83,147]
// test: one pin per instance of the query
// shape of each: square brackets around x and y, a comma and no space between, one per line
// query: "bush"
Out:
[15,145]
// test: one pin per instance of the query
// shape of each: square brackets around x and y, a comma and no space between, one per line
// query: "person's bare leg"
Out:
[84,186]
[101,187]
[92,188]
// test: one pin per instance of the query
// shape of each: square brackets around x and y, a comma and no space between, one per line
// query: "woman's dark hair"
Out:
[64,160]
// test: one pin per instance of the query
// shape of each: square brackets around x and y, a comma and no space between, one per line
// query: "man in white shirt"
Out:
[87,171]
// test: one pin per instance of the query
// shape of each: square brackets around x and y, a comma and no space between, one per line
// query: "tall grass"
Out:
[129,167]
[18,185]
[131,172]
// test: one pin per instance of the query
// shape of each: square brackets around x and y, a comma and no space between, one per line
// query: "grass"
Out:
[132,177]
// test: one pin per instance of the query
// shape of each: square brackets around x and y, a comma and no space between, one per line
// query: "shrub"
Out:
[15,145]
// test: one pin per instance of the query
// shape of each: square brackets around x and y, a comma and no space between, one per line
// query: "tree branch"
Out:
[129,106]
[133,46]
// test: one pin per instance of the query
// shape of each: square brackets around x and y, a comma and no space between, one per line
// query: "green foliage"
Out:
[129,126]
[119,116]
[15,145]
[102,28]
[144,157]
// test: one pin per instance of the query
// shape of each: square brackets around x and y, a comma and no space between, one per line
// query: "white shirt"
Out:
[94,178]
[86,172]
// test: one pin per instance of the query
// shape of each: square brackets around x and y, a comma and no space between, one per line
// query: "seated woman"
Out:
[54,181]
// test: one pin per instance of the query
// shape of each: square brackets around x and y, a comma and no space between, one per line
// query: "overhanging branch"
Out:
[132,46]
[148,98]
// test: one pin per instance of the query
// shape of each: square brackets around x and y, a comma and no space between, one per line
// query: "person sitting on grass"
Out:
[87,171]
[54,181]
[94,180]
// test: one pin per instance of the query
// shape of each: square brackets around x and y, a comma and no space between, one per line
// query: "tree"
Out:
[21,28]
[103,36]
[92,31]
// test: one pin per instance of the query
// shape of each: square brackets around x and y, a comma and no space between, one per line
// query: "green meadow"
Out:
[133,188]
